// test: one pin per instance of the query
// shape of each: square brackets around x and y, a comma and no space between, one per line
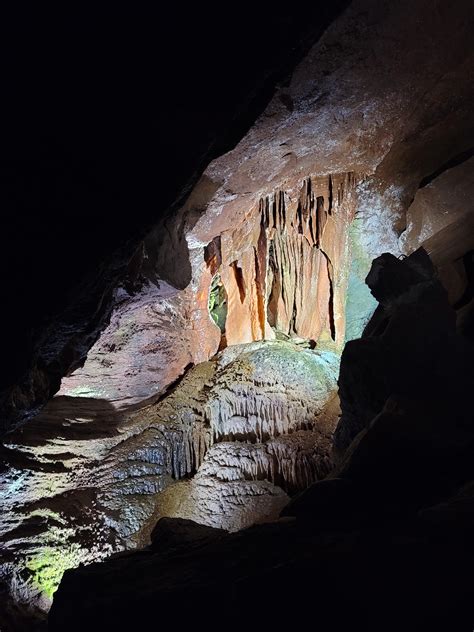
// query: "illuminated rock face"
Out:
[85,479]
[144,348]
[285,267]
[440,219]
[256,421]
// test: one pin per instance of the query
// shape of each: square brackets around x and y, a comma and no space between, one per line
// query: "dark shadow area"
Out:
[111,114]
[72,418]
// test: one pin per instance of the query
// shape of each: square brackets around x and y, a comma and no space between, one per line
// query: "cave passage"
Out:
[291,339]
[218,302]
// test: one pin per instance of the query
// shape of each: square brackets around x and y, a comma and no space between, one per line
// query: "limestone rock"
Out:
[344,158]
[144,348]
[272,390]
[213,501]
[284,268]
[263,440]
[222,446]
[372,558]
[443,201]
[171,533]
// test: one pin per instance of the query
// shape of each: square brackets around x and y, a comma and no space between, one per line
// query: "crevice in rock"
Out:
[213,255]
[455,161]
[239,278]
[260,253]
[332,324]
[330,198]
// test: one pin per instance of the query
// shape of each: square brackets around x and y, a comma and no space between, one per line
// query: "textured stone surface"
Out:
[445,200]
[271,413]
[85,478]
[112,148]
[144,348]
[307,558]
[341,112]
[441,220]
[285,268]
[361,133]
[241,483]
[391,527]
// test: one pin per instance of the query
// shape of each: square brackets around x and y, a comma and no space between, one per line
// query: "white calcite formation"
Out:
[224,446]
[271,412]
[269,391]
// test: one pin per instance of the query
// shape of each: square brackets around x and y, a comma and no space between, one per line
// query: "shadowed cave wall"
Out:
[169,416]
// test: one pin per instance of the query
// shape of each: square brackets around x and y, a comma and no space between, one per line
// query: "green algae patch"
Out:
[49,564]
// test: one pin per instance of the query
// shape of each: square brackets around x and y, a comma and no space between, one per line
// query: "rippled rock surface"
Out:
[225,446]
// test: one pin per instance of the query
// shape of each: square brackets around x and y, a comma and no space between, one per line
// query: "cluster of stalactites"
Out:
[319,198]
[243,411]
[284,268]
[292,465]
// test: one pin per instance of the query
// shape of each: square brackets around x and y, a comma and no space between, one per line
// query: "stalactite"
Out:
[279,280]
[292,465]
[320,219]
[239,408]
[213,254]
[260,254]
[298,254]
[330,195]
[330,273]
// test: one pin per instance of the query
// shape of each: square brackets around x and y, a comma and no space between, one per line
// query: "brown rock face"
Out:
[285,267]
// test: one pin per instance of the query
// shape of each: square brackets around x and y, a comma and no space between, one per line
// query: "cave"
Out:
[239,318]
[218,303]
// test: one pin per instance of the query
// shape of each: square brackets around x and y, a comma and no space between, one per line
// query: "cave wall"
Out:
[284,267]
[350,159]
[391,105]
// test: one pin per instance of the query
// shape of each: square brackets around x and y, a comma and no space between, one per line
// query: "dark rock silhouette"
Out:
[403,346]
